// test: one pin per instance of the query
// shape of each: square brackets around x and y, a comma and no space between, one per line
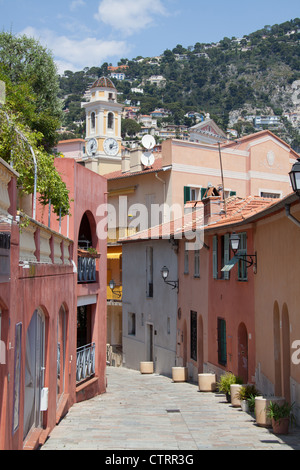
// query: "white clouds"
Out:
[130,16]
[81,43]
[76,3]
[75,54]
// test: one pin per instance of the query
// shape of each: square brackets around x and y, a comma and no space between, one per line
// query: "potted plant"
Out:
[226,380]
[247,396]
[281,416]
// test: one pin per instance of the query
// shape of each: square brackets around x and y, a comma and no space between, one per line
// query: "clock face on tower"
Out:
[91,147]
[111,147]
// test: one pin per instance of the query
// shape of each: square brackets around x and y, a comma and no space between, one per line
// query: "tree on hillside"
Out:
[25,60]
[29,119]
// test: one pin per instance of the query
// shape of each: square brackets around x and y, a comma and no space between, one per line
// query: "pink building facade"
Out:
[44,366]
[73,148]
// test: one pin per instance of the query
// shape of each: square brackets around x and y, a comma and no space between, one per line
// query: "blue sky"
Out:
[85,33]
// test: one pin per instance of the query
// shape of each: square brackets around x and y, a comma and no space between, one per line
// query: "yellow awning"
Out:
[114,255]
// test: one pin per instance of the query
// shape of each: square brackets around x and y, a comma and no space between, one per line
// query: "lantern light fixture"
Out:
[165,274]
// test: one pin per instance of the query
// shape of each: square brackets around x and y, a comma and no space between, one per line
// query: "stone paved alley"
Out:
[151,412]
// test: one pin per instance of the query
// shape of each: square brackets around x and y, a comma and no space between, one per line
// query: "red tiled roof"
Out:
[70,140]
[157,166]
[237,210]
[103,82]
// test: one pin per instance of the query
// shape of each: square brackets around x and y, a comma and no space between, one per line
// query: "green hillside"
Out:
[254,75]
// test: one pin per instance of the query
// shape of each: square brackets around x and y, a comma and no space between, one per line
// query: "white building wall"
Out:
[159,311]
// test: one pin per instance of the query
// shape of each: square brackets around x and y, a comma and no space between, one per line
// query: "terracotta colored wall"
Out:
[89,192]
[277,294]
[233,301]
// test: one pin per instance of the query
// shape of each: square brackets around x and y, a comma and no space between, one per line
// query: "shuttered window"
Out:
[226,255]
[187,194]
[215,257]
[242,271]
[194,335]
[222,345]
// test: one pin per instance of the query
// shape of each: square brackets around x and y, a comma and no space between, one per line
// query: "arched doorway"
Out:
[286,353]
[277,350]
[61,352]
[243,352]
[34,371]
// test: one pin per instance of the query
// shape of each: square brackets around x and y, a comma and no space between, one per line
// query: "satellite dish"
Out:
[147,159]
[148,142]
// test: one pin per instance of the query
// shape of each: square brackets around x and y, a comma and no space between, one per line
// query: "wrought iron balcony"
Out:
[86,267]
[85,362]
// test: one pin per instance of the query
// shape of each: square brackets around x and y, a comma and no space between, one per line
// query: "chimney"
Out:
[213,204]
[125,160]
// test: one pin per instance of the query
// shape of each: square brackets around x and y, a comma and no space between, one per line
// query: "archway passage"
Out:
[61,353]
[243,352]
[85,233]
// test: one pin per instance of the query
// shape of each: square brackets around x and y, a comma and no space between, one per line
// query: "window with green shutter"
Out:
[203,191]
[194,340]
[226,255]
[187,194]
[215,257]
[222,344]
[242,271]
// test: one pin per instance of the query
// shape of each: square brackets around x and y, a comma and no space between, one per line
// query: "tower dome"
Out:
[103,82]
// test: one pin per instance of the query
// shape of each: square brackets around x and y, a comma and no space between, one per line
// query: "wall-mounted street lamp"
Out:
[250,260]
[165,274]
[295,182]
[112,286]
[295,177]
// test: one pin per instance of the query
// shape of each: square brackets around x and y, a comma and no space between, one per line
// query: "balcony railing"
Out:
[85,363]
[86,267]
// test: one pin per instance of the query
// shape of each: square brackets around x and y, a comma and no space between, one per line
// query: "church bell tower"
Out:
[103,128]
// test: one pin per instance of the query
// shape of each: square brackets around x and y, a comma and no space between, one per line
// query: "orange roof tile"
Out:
[238,210]
[157,166]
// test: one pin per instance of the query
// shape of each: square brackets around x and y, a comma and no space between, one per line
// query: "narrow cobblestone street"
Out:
[151,412]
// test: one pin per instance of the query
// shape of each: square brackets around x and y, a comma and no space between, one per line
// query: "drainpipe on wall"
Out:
[290,216]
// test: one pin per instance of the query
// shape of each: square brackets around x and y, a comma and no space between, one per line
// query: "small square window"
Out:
[131,323]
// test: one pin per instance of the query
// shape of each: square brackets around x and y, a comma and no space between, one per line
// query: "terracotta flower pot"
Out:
[281,426]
